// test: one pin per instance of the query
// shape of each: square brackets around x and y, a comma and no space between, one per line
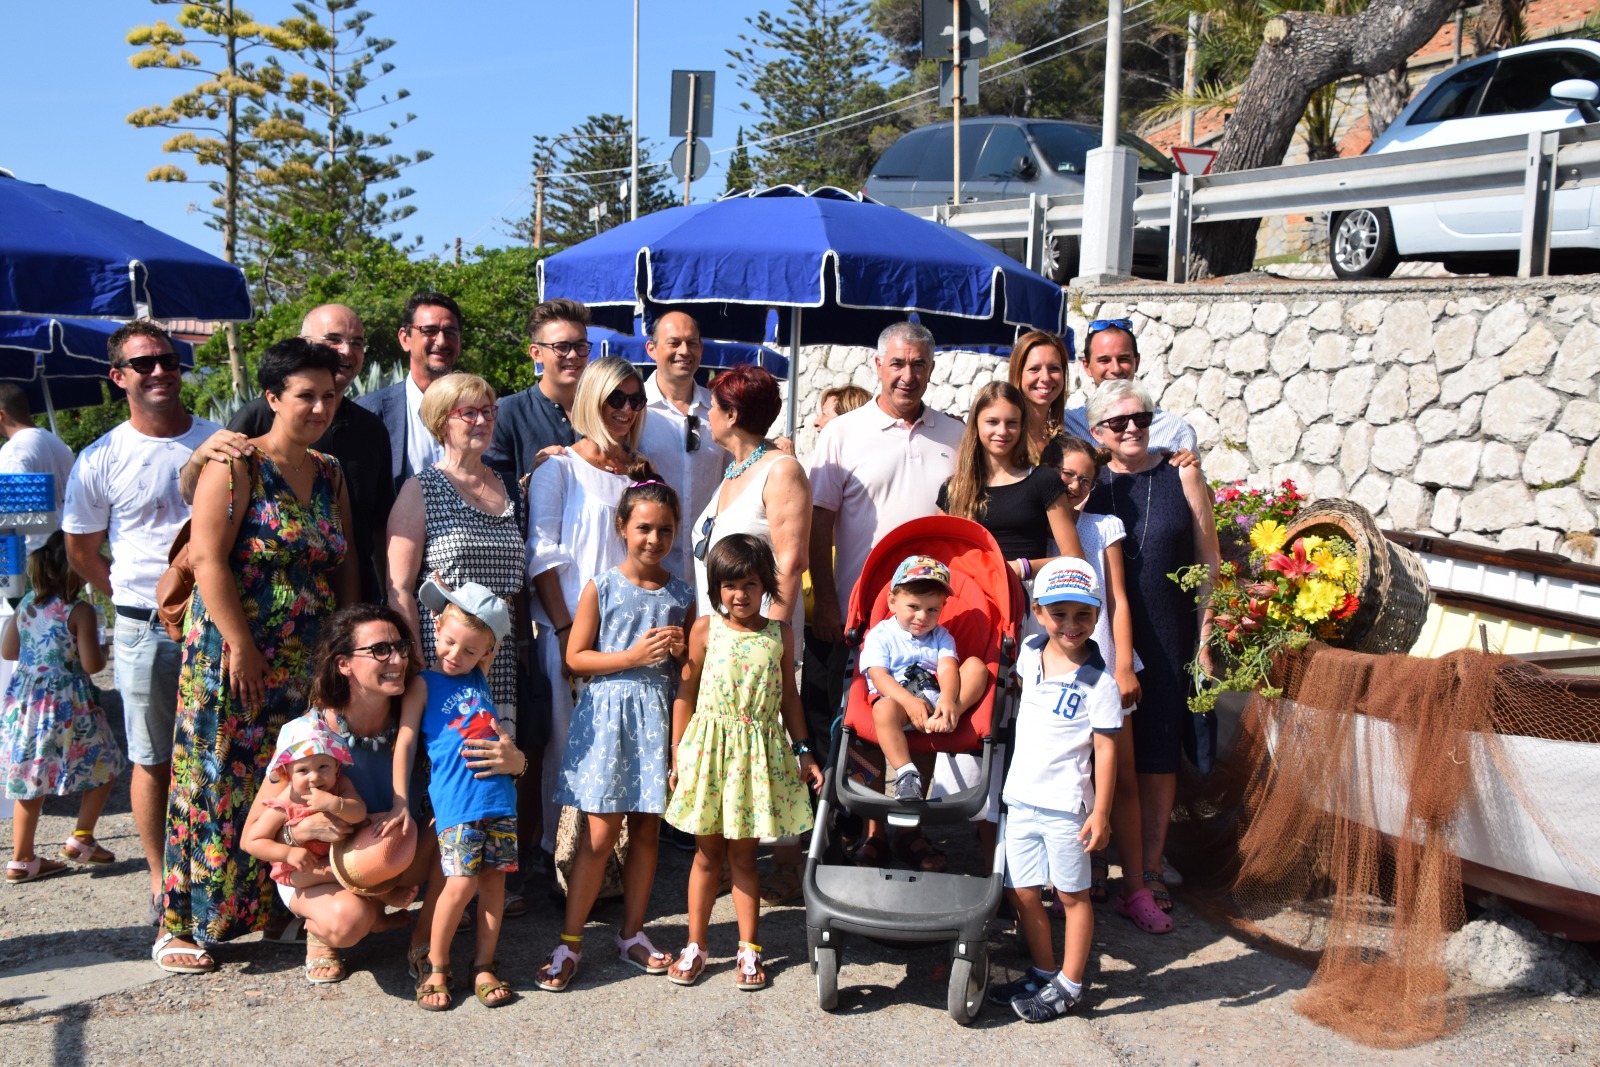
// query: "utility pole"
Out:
[633,128]
[1110,181]
[694,107]
[955,100]
[1190,62]
[538,207]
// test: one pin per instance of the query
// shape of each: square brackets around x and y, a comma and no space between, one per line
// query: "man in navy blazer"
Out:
[430,332]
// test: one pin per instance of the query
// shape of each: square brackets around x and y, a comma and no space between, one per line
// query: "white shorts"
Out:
[1042,848]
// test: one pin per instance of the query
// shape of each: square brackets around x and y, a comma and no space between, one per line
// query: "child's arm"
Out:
[794,714]
[1121,627]
[653,646]
[688,692]
[10,640]
[261,838]
[948,710]
[343,802]
[1096,830]
[917,709]
[86,635]
[405,751]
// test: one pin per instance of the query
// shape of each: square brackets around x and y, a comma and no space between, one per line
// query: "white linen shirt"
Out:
[35,451]
[422,451]
[126,484]
[572,515]
[1057,719]
[875,472]
[694,476]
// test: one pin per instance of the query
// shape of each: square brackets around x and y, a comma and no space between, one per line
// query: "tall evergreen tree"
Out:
[233,121]
[740,174]
[584,167]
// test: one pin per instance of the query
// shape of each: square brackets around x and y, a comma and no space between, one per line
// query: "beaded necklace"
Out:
[733,470]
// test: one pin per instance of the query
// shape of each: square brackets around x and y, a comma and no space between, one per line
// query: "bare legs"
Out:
[706,876]
[147,794]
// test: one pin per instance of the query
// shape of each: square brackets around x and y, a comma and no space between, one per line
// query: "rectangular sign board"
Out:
[937,38]
[705,91]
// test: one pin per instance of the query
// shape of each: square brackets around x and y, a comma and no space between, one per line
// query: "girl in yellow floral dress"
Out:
[733,779]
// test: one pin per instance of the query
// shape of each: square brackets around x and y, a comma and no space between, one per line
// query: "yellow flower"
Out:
[1268,536]
[1317,599]
[1334,566]
[1313,543]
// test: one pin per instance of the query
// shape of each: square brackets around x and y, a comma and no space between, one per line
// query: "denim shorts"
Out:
[466,849]
[146,663]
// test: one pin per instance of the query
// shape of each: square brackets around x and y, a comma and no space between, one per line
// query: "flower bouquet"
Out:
[1278,596]
[1238,507]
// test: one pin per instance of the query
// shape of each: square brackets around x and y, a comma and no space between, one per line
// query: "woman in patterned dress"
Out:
[268,543]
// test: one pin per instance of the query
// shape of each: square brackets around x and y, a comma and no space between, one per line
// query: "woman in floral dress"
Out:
[268,546]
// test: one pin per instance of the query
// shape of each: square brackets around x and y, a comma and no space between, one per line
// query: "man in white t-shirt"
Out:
[1110,353]
[676,438]
[124,489]
[30,450]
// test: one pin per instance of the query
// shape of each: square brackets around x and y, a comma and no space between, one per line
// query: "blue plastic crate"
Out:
[13,554]
[27,492]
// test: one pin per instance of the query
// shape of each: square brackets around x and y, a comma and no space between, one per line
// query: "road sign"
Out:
[705,95]
[937,38]
[947,83]
[702,160]
[1192,160]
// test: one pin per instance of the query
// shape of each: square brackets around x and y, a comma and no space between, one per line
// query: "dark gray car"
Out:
[1005,158]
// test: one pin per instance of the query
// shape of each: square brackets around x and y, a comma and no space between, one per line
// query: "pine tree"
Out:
[233,121]
[589,165]
[740,174]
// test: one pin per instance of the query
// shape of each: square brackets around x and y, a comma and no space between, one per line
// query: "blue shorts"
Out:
[466,849]
[1042,848]
[146,663]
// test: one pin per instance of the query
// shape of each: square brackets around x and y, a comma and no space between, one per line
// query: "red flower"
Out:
[1348,608]
[1293,569]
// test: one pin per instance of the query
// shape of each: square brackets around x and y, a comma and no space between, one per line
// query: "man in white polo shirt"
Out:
[125,487]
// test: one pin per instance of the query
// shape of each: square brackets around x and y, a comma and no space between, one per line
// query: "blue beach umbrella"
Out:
[843,265]
[63,255]
[61,363]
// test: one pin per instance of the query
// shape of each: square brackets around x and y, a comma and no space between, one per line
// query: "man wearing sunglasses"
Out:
[1112,354]
[676,438]
[430,332]
[355,437]
[537,422]
[125,489]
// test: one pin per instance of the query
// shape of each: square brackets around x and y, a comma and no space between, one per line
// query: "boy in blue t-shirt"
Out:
[475,817]
[1071,709]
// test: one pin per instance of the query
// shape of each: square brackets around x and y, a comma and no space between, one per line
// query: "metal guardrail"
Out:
[1536,165]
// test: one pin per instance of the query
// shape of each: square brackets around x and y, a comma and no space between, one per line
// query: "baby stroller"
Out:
[984,615]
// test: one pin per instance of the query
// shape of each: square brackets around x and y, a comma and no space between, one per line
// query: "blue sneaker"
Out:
[908,786]
[1051,1001]
[1026,986]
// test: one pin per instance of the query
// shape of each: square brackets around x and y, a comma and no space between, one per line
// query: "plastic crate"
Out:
[13,555]
[27,493]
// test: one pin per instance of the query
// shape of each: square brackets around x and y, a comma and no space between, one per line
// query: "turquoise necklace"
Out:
[733,470]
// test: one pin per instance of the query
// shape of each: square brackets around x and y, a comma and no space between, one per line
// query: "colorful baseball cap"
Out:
[1066,579]
[920,569]
[474,599]
[306,736]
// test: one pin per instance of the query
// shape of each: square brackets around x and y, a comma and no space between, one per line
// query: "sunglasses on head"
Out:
[1109,324]
[384,650]
[619,400]
[702,546]
[146,365]
[1118,423]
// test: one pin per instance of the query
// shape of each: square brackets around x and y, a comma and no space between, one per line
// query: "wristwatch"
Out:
[802,747]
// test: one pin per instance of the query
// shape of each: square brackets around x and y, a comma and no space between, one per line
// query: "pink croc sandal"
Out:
[1142,910]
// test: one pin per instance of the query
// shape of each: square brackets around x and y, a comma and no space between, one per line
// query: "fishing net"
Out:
[1365,779]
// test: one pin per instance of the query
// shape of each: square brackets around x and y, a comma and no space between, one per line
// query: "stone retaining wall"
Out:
[1462,407]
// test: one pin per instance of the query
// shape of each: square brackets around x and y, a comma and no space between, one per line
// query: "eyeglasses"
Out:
[1109,324]
[339,340]
[487,413]
[384,650]
[1118,423]
[702,546]
[145,366]
[691,434]
[1072,480]
[566,348]
[619,400]
[451,333]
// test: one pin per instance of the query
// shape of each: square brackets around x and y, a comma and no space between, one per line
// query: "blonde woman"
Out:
[573,500]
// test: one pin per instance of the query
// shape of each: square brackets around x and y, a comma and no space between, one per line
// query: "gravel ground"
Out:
[77,987]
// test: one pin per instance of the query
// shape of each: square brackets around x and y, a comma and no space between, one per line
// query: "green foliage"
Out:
[740,174]
[812,64]
[588,165]
[81,427]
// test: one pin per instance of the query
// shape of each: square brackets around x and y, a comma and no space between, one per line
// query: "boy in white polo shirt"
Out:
[1056,815]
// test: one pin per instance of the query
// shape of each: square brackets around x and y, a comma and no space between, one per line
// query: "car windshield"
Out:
[904,157]
[1066,145]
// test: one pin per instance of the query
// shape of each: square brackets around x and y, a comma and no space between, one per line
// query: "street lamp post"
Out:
[1111,174]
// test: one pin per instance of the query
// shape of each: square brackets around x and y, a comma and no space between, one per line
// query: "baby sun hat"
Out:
[306,736]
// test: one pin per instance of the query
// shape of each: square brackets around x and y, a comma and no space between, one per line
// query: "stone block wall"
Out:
[1467,408]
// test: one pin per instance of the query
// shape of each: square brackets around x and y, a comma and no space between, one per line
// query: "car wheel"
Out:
[1361,243]
[1060,259]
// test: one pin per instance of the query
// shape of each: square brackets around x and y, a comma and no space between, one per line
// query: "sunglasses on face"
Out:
[1110,324]
[1118,423]
[146,365]
[691,434]
[486,413]
[566,348]
[384,650]
[619,400]
[702,546]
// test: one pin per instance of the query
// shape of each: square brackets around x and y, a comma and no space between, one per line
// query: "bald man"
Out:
[355,437]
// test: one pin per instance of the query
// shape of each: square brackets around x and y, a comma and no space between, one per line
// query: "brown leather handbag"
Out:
[176,586]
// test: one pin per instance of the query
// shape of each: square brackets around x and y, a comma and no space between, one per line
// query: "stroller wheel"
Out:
[969,982]
[827,965]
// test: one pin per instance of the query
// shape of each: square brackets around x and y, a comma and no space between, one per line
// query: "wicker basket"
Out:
[1394,590]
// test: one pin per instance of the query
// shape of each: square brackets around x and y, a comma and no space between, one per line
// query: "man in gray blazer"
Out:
[430,332]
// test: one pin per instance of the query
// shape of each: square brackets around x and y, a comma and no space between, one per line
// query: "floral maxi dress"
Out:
[736,775]
[282,562]
[54,739]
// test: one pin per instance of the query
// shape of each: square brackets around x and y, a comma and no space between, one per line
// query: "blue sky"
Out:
[484,79]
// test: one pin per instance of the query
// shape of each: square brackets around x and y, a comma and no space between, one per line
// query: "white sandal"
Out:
[549,976]
[690,966]
[639,940]
[748,973]
[164,950]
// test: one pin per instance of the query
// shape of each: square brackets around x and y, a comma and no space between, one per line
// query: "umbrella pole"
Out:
[794,369]
[49,405]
